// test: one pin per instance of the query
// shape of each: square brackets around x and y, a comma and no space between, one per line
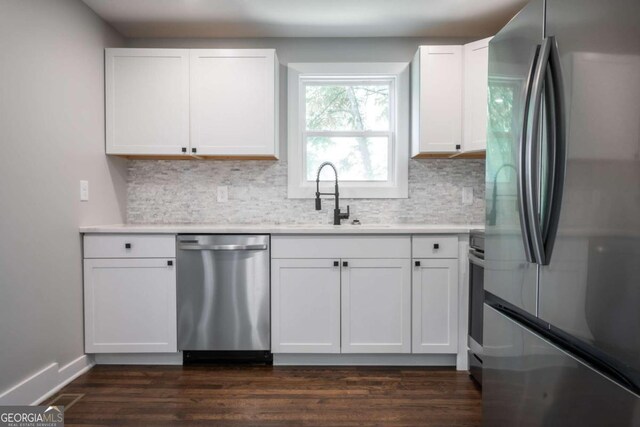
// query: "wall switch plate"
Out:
[223,194]
[467,195]
[84,191]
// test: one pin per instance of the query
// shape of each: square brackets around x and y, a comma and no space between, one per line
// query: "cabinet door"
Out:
[305,306]
[233,102]
[147,101]
[376,306]
[130,305]
[476,77]
[435,306]
[437,95]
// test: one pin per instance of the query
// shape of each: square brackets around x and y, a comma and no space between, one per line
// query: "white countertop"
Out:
[283,229]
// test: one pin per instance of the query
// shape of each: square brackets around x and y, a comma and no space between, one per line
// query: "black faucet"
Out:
[337,216]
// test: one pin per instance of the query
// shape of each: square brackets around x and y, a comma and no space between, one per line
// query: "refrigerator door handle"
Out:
[550,153]
[532,156]
[557,148]
[522,165]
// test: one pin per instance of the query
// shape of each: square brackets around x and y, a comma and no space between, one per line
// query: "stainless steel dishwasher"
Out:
[223,297]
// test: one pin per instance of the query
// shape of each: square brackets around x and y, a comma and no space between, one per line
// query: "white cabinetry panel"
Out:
[376,306]
[329,246]
[305,302]
[476,77]
[147,101]
[436,100]
[233,102]
[130,305]
[129,246]
[435,306]
[435,246]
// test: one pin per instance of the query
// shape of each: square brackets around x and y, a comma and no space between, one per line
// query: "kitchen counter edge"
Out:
[280,229]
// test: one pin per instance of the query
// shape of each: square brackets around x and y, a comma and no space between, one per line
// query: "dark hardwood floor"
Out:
[272,396]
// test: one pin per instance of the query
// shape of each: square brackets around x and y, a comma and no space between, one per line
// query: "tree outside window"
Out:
[349,123]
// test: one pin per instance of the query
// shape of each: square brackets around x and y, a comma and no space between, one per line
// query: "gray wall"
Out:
[52,135]
[184,191]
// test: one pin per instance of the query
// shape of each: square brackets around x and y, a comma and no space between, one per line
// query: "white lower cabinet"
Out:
[435,306]
[376,306]
[130,305]
[365,294]
[305,306]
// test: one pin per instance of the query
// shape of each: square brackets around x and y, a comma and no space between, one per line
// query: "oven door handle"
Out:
[476,260]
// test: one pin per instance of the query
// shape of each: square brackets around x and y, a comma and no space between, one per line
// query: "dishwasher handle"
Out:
[195,247]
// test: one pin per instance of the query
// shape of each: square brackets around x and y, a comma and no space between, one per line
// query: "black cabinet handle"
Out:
[193,150]
[458,146]
[184,149]
[127,245]
[336,263]
[436,246]
[170,263]
[417,263]
[345,264]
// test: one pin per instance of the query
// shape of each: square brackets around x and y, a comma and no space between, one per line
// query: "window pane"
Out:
[502,110]
[356,158]
[345,107]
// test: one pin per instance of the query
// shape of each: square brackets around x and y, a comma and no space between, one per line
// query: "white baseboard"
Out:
[138,359]
[364,359]
[46,382]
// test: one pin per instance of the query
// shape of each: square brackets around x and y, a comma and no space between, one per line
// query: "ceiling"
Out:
[306,18]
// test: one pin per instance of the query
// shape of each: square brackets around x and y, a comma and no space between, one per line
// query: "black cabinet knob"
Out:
[170,263]
[345,264]
[458,146]
[193,150]
[417,263]
[336,263]
[184,149]
[436,246]
[127,245]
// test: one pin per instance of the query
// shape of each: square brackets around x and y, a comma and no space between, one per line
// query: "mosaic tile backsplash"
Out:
[185,192]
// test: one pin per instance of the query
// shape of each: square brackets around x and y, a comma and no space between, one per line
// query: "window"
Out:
[503,106]
[348,114]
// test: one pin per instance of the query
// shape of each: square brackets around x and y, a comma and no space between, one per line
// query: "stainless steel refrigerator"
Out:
[562,250]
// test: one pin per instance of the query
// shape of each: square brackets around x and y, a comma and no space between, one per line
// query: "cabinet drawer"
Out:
[130,246]
[437,246]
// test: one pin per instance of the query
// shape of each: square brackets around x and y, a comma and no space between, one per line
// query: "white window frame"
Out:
[397,74]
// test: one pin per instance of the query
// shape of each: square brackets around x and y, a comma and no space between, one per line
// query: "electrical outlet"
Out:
[84,191]
[467,195]
[223,194]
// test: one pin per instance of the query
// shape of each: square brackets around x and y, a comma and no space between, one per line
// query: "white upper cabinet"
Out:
[234,102]
[147,101]
[449,100]
[436,101]
[192,102]
[476,70]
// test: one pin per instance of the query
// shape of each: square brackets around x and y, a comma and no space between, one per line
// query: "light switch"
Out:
[223,194]
[467,195]
[84,191]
